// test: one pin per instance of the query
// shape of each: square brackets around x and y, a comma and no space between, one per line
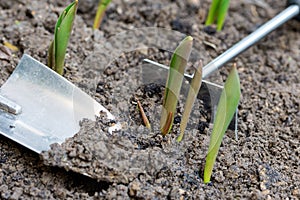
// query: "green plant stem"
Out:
[227,105]
[217,12]
[100,13]
[212,13]
[172,91]
[192,95]
[224,4]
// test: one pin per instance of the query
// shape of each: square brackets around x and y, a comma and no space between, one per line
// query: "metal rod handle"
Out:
[9,106]
[251,39]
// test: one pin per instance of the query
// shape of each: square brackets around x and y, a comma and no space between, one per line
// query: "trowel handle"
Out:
[293,10]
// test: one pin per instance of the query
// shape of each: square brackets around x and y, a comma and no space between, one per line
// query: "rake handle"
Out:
[292,11]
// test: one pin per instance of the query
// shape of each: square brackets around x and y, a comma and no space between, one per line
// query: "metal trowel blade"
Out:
[38,107]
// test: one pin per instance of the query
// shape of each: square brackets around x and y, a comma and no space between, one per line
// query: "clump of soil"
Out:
[114,158]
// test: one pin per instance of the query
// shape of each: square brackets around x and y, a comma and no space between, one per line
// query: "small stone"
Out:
[72,153]
[5,195]
[265,192]
[3,188]
[219,177]
[177,119]
[194,3]
[133,189]
[143,49]
[17,193]
[181,191]
[263,186]
[210,30]
[122,190]
[119,10]
[296,192]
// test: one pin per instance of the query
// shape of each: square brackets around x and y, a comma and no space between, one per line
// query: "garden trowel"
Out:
[38,107]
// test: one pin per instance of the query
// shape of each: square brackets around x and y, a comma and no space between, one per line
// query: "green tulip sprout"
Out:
[217,12]
[100,12]
[192,95]
[172,91]
[227,106]
[62,32]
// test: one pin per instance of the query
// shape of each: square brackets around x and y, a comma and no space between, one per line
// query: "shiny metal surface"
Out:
[9,106]
[51,106]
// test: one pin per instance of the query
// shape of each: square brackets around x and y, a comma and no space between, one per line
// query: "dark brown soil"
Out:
[135,162]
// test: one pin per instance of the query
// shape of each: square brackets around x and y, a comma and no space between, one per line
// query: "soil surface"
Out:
[136,163]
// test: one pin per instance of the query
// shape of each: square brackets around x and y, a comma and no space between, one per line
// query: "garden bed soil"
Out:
[136,162]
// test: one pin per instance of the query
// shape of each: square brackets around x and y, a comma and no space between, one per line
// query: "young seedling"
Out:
[227,105]
[100,13]
[144,117]
[192,95]
[172,91]
[217,12]
[62,32]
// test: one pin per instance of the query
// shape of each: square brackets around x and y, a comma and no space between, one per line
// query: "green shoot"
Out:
[192,95]
[144,117]
[217,12]
[228,103]
[177,67]
[62,32]
[100,13]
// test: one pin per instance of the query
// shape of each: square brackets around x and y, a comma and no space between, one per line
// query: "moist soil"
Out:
[138,163]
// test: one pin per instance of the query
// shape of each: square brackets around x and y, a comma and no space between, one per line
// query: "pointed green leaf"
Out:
[177,67]
[192,95]
[226,108]
[63,29]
